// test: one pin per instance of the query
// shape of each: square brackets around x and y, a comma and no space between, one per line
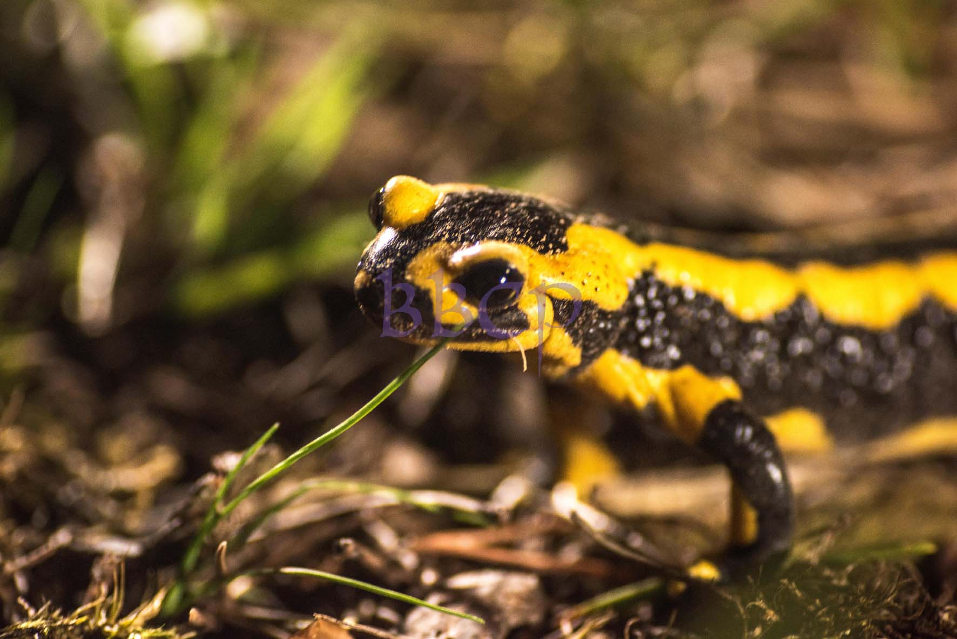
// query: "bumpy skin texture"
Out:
[741,442]
[867,382]
[712,343]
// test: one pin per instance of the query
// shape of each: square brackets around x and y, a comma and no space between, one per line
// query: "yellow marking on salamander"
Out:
[684,397]
[937,435]
[619,377]
[430,272]
[363,279]
[702,570]
[875,296]
[693,396]
[744,518]
[799,430]
[939,270]
[587,460]
[435,267]
[751,289]
[560,352]
[584,274]
[407,201]
[590,268]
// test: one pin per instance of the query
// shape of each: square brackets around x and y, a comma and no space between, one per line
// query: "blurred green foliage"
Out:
[229,192]
[216,167]
[194,144]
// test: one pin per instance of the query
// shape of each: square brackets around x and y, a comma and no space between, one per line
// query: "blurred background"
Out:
[183,188]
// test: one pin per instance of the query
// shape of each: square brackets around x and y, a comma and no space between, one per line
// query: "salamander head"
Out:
[454,252]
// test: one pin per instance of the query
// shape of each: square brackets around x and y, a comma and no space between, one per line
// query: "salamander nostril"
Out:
[377,207]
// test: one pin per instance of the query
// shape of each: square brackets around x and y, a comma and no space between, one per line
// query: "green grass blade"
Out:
[362,585]
[616,597]
[202,150]
[153,87]
[303,134]
[36,207]
[901,551]
[203,174]
[475,511]
[332,433]
[289,152]
[177,597]
[213,515]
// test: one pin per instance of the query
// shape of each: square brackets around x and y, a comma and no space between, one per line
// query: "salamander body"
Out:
[739,350]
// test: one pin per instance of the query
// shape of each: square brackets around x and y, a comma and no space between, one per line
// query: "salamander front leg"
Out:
[762,523]
[707,412]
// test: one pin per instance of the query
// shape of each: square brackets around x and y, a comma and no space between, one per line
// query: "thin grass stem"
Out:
[362,585]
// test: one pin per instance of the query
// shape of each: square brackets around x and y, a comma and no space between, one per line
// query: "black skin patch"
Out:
[742,442]
[866,382]
[593,329]
[468,217]
[475,216]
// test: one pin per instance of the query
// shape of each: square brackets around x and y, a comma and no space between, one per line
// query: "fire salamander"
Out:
[741,352]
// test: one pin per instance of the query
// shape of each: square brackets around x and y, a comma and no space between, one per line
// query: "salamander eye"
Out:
[480,278]
[376,207]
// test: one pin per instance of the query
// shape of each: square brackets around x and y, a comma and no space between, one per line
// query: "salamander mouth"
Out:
[416,322]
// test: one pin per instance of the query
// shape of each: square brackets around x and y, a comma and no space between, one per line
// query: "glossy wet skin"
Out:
[729,353]
[470,250]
